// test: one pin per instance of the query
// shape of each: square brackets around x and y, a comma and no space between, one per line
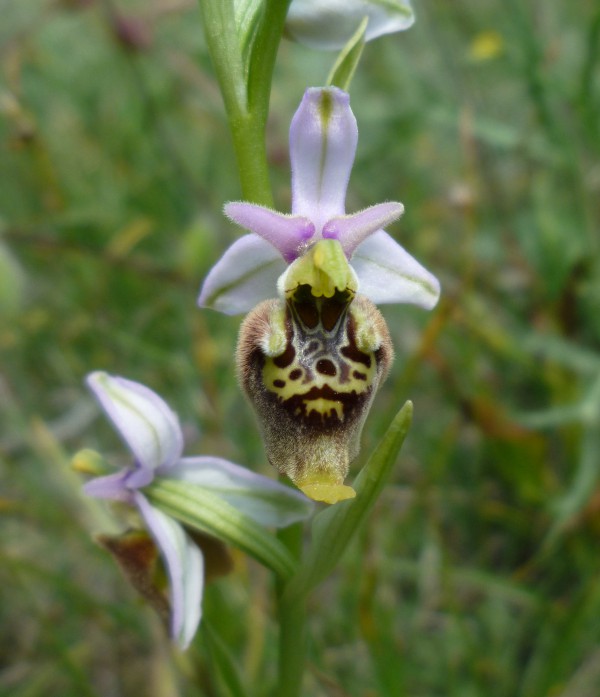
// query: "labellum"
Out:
[310,364]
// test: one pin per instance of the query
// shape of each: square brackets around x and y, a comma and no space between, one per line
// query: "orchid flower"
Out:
[328,24]
[311,360]
[152,432]
[323,139]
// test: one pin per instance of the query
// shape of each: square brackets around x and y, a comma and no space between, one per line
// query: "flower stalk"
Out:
[245,81]
[291,616]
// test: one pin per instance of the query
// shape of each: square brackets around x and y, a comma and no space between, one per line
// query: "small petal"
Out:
[146,423]
[388,274]
[323,137]
[329,24]
[185,567]
[264,500]
[353,229]
[286,233]
[113,486]
[246,274]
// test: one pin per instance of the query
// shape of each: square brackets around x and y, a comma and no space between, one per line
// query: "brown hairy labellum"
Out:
[310,366]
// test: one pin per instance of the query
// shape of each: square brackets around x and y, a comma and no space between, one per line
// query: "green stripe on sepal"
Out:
[335,526]
[202,510]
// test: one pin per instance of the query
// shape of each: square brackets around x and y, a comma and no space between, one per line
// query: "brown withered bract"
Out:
[137,555]
[310,366]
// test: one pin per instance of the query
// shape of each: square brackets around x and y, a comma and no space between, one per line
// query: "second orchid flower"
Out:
[152,432]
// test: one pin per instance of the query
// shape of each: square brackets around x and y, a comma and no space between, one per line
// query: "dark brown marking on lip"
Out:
[326,367]
[351,351]
[358,375]
[353,354]
[331,311]
[300,409]
[308,314]
[279,383]
[286,357]
[295,374]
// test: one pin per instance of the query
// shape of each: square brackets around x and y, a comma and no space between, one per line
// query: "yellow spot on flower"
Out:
[487,45]
[89,462]
[325,407]
[327,492]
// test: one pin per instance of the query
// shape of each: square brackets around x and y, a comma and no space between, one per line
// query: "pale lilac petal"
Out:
[287,233]
[185,567]
[323,137]
[146,423]
[113,486]
[246,274]
[388,274]
[329,24]
[353,229]
[264,500]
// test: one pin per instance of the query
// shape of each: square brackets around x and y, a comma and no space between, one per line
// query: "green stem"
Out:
[246,98]
[246,101]
[291,613]
[219,30]
[248,132]
[264,53]
[292,646]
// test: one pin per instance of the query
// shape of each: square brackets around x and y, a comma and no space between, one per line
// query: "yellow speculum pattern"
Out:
[302,375]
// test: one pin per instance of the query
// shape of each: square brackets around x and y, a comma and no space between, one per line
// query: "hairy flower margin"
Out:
[323,140]
[328,24]
[152,432]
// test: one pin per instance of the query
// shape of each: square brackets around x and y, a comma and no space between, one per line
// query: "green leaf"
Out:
[204,511]
[585,482]
[335,526]
[223,660]
[343,69]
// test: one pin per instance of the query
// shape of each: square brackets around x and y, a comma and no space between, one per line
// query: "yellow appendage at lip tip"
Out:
[326,491]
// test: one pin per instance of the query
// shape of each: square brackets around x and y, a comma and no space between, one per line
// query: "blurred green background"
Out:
[478,574]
